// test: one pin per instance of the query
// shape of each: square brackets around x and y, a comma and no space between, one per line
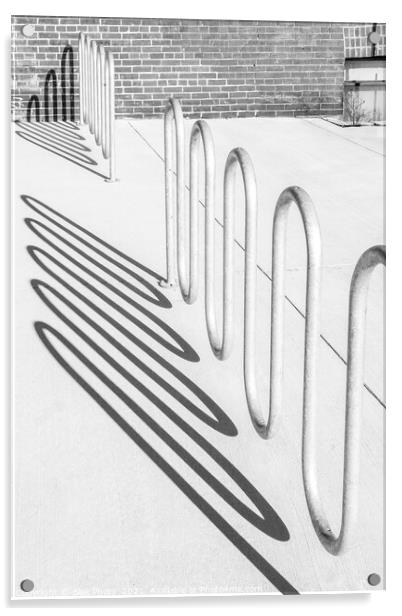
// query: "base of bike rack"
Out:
[165,284]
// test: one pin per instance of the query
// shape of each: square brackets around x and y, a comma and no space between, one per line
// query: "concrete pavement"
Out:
[137,470]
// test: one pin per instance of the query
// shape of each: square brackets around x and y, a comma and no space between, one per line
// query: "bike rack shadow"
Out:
[75,299]
[67,93]
[59,140]
[67,102]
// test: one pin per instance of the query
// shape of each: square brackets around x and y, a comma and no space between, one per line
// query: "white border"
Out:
[338,10]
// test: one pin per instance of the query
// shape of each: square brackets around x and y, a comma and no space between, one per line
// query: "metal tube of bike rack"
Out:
[104,104]
[88,80]
[95,83]
[81,56]
[335,544]
[110,112]
[202,133]
[99,80]
[264,426]
[92,63]
[297,196]
[102,96]
[222,345]
[98,97]
[175,214]
[241,157]
[89,48]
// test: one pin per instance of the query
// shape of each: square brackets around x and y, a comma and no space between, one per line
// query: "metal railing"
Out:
[97,103]
[222,343]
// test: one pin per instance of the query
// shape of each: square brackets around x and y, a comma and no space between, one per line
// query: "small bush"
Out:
[353,109]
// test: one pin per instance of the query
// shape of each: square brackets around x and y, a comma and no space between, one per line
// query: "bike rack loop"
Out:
[97,105]
[222,345]
[354,386]
[189,288]
[174,212]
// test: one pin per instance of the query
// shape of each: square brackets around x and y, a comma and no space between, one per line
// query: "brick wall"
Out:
[216,68]
[357,44]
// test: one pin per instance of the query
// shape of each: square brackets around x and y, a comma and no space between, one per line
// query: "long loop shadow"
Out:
[38,206]
[54,139]
[156,296]
[38,133]
[183,349]
[266,520]
[220,421]
[268,571]
[41,130]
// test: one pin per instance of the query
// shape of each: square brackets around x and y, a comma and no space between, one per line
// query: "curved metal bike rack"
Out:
[335,544]
[222,344]
[173,119]
[97,104]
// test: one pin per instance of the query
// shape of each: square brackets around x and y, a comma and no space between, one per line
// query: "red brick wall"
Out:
[216,68]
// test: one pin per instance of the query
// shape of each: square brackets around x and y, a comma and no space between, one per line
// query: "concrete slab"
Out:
[137,469]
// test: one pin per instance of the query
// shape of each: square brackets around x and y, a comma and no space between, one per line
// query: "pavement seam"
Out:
[365,147]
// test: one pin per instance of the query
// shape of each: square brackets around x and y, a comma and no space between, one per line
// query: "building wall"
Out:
[216,68]
[356,40]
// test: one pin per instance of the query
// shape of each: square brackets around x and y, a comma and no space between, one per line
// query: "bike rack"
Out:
[222,344]
[354,384]
[97,104]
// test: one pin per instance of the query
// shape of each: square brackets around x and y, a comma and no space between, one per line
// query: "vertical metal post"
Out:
[201,133]
[92,63]
[81,62]
[102,83]
[97,97]
[105,105]
[174,212]
[110,147]
[241,157]
[86,74]
[294,196]
[98,108]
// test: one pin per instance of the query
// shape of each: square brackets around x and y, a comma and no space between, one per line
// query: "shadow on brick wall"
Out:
[67,93]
